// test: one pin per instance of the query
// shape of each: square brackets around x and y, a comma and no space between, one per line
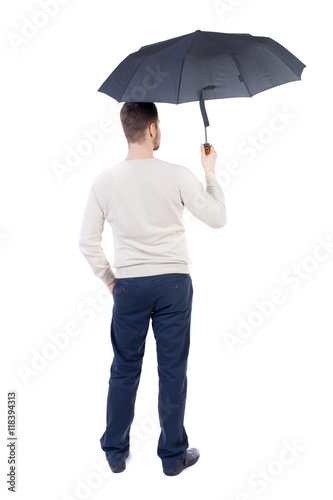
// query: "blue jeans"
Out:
[167,300]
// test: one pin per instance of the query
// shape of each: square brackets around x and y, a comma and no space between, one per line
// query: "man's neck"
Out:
[139,152]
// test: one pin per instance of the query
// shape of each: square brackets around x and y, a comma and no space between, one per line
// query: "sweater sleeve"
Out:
[207,205]
[90,240]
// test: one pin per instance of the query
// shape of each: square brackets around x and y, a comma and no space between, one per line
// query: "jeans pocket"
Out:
[123,285]
[175,282]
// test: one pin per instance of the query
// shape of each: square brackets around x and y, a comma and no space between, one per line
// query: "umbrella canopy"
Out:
[202,65]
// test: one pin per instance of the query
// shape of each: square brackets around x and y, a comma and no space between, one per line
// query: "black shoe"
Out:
[191,458]
[119,467]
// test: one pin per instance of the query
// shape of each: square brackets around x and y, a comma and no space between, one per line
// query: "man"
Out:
[143,199]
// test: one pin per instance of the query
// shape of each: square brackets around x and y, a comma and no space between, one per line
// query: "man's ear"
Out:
[151,128]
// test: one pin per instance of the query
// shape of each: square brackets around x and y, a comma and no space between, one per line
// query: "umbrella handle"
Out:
[207,148]
[205,117]
[206,145]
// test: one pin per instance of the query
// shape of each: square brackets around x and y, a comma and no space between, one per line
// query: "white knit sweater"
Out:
[143,201]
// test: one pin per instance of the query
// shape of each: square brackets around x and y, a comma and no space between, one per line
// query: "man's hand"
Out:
[111,287]
[208,161]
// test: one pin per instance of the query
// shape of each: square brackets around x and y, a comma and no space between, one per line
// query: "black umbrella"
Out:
[202,65]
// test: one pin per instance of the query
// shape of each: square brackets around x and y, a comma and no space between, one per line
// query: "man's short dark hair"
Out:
[135,117]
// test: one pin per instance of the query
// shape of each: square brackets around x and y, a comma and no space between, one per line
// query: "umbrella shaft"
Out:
[206,134]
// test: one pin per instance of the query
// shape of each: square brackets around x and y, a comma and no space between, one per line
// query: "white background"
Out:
[244,404]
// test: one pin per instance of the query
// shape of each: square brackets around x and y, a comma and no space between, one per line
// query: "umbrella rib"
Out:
[271,46]
[129,81]
[236,63]
[181,71]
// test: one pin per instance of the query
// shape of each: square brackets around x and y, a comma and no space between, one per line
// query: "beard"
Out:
[157,141]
